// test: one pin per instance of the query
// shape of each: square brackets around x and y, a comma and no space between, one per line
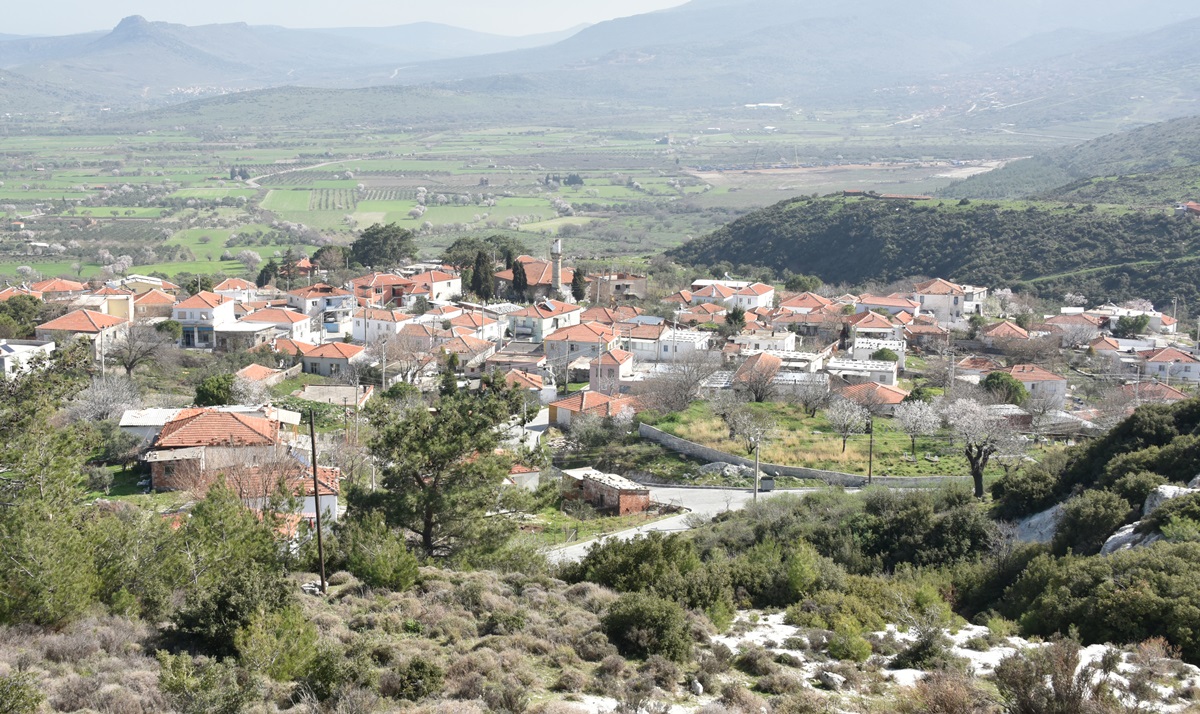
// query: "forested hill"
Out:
[1045,246]
[1151,148]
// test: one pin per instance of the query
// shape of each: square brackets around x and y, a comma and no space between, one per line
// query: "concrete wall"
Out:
[834,478]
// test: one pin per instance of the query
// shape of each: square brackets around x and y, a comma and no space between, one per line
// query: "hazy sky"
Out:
[505,17]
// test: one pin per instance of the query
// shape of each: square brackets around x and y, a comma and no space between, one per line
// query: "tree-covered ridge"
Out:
[1148,149]
[1161,188]
[859,240]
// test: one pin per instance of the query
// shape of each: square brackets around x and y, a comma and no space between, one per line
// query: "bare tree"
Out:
[846,418]
[249,391]
[811,395]
[981,433]
[678,387]
[757,382]
[751,426]
[140,344]
[105,398]
[917,418]
[402,356]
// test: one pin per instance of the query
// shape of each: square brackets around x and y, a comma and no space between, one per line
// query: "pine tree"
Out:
[483,282]
[579,285]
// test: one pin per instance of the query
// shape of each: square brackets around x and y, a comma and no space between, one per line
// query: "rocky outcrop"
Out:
[1128,537]
[1040,527]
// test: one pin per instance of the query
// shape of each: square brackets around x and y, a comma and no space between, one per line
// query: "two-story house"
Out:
[589,340]
[287,323]
[332,359]
[753,297]
[380,289]
[372,324]
[948,301]
[1170,364]
[238,289]
[543,318]
[153,304]
[332,307]
[440,285]
[199,315]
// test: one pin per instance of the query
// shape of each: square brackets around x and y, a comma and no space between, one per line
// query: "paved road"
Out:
[708,502]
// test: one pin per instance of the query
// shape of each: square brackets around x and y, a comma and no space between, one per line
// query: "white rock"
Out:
[1127,538]
[1039,528]
[1162,494]
[831,680]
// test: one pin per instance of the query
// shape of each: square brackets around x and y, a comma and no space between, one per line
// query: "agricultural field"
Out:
[800,440]
[72,204]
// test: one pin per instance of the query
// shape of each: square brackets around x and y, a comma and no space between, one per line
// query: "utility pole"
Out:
[871,449]
[312,437]
[756,443]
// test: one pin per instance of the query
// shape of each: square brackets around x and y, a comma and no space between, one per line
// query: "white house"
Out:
[1044,386]
[1169,364]
[782,340]
[659,343]
[858,371]
[862,348]
[543,318]
[238,289]
[753,297]
[607,373]
[15,355]
[288,323]
[373,324]
[949,302]
[480,325]
[332,359]
[590,340]
[442,286]
[333,307]
[892,304]
[199,314]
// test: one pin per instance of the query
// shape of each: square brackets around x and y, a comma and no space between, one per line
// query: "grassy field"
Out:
[286,201]
[810,442]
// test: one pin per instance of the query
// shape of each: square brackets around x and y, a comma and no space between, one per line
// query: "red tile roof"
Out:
[938,286]
[202,300]
[870,321]
[82,321]
[208,427]
[756,289]
[382,315]
[594,403]
[524,380]
[107,291]
[545,309]
[1006,331]
[1153,391]
[58,285]
[318,290]
[335,350]
[234,284]
[806,301]
[614,358]
[1166,354]
[538,272]
[586,332]
[1032,373]
[467,345]
[291,347]
[276,316]
[889,301]
[14,290]
[154,297]
[874,393]
[761,365]
[256,372]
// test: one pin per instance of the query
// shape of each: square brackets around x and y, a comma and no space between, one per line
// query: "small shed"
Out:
[610,492]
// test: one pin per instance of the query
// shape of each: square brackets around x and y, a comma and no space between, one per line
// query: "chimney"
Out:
[556,268]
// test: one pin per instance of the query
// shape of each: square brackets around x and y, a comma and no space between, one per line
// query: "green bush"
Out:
[848,645]
[414,680]
[278,644]
[1182,508]
[1088,520]
[376,554]
[1026,491]
[216,390]
[1135,487]
[642,625]
[204,686]
[19,694]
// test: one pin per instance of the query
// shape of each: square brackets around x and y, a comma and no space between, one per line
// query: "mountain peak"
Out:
[134,24]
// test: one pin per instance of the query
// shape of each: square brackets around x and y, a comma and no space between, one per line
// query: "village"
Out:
[595,348]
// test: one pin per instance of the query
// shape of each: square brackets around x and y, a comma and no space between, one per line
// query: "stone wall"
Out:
[833,478]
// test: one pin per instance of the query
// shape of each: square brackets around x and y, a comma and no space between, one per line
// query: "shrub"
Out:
[1088,520]
[594,647]
[508,697]
[1049,679]
[945,692]
[1137,486]
[780,683]
[20,694]
[756,661]
[663,671]
[331,669]
[849,645]
[278,644]
[570,680]
[99,478]
[643,625]
[376,554]
[415,679]
[1026,491]
[203,686]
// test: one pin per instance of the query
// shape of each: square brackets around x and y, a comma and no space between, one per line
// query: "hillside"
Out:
[1159,188]
[1156,147]
[854,241]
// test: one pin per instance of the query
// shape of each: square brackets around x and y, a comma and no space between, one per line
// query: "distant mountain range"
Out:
[1037,62]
